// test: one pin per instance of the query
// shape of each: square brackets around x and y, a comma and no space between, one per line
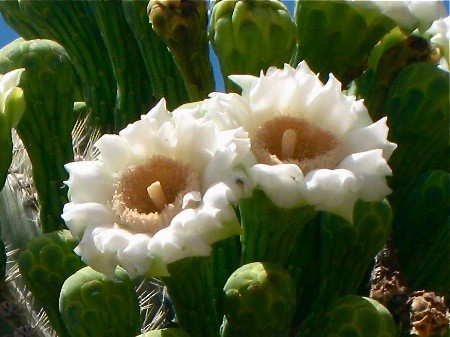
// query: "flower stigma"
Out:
[287,139]
[149,195]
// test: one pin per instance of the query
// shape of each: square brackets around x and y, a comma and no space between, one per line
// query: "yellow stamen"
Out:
[156,194]
[288,143]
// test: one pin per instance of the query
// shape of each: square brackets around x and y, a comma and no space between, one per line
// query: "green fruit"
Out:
[352,316]
[259,301]
[250,36]
[45,263]
[91,304]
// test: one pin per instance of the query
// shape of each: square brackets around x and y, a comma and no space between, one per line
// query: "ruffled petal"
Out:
[102,261]
[284,184]
[173,244]
[371,137]
[334,191]
[89,182]
[78,216]
[114,153]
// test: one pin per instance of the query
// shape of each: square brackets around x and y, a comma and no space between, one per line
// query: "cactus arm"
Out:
[134,94]
[45,128]
[190,287]
[165,79]
[271,233]
[72,26]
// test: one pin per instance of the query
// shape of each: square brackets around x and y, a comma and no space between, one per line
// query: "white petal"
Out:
[158,112]
[246,82]
[333,190]
[284,184]
[104,262]
[373,188]
[174,244]
[136,258]
[141,137]
[333,111]
[10,80]
[369,162]
[114,152]
[78,216]
[89,182]
[370,137]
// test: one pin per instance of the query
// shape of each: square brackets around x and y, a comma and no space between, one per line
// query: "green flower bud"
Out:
[251,35]
[91,304]
[45,263]
[392,61]
[259,301]
[12,107]
[352,316]
[170,332]
[182,26]
[336,38]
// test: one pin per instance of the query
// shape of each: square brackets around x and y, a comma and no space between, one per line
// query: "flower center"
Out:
[148,196]
[287,139]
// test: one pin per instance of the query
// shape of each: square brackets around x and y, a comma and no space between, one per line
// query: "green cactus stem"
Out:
[327,39]
[134,94]
[182,26]
[259,301]
[270,234]
[91,304]
[226,259]
[418,109]
[165,78]
[421,233]
[191,290]
[73,26]
[332,255]
[45,263]
[352,316]
[348,249]
[45,128]
[169,332]
[251,35]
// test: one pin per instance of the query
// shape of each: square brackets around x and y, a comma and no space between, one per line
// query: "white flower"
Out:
[9,92]
[408,14]
[439,34]
[159,191]
[313,144]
